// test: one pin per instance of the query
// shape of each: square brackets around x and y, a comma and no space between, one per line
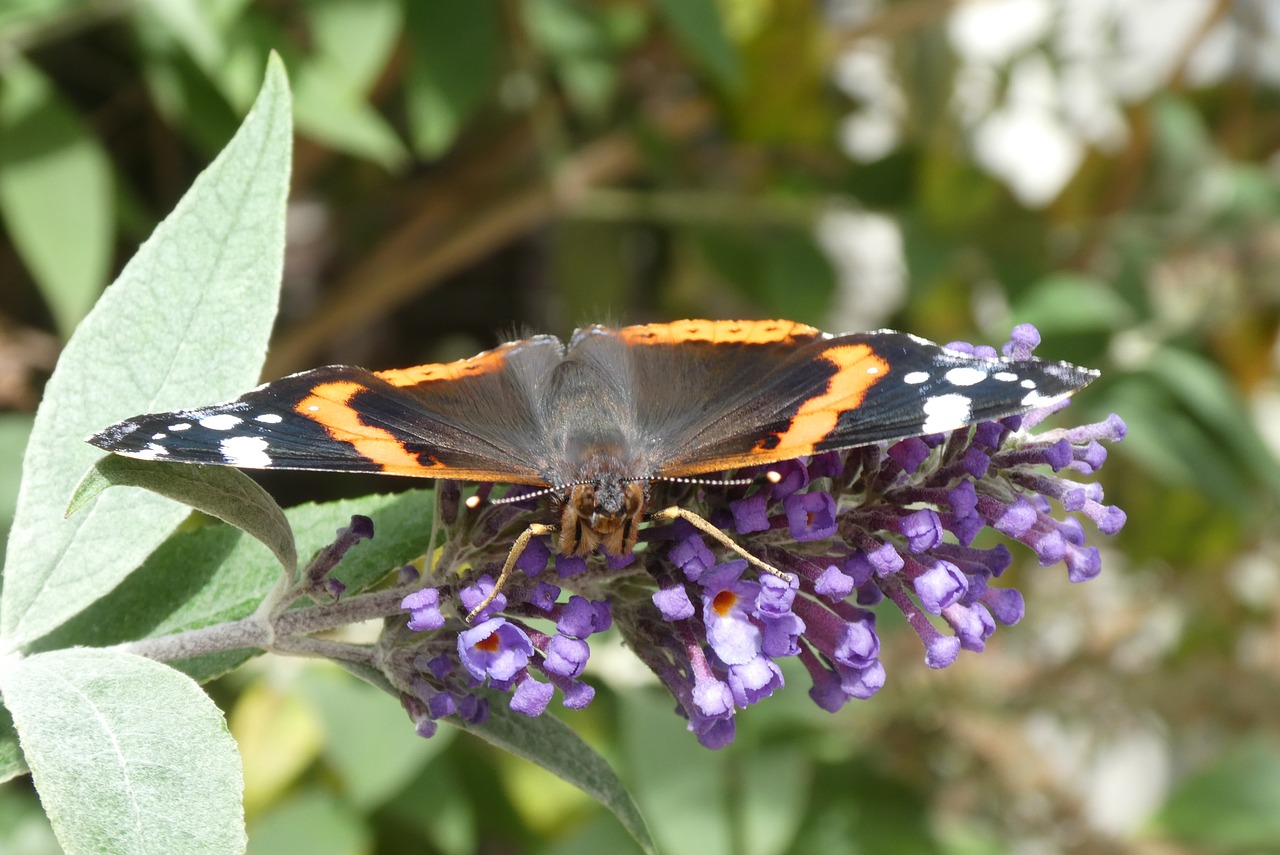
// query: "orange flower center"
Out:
[724,602]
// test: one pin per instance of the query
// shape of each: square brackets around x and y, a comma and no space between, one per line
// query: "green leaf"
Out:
[195,45]
[590,82]
[344,121]
[21,18]
[774,795]
[455,48]
[11,763]
[451,826]
[279,738]
[599,833]
[183,95]
[56,193]
[684,787]
[352,41]
[15,428]
[1174,446]
[220,491]
[356,37]
[24,829]
[1209,395]
[1232,803]
[135,740]
[858,809]
[311,823]
[550,743]
[1183,145]
[564,28]
[382,755]
[401,533]
[212,575]
[194,579]
[577,38]
[186,323]
[781,269]
[1065,303]
[191,24]
[698,26]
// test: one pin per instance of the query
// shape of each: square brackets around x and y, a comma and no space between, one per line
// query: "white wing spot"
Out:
[268,419]
[159,435]
[313,408]
[1035,399]
[874,369]
[247,451]
[222,421]
[915,378]
[1028,384]
[151,452]
[946,412]
[180,426]
[1005,376]
[965,375]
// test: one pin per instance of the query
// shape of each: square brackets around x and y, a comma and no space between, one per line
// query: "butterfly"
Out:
[596,420]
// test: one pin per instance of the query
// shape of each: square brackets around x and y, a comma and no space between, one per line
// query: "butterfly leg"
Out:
[702,525]
[514,555]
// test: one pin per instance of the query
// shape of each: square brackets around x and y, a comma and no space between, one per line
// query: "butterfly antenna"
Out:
[517,549]
[712,482]
[702,525]
[509,499]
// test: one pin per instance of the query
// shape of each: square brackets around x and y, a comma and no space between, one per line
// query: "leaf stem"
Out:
[322,648]
[236,635]
[288,633]
[313,619]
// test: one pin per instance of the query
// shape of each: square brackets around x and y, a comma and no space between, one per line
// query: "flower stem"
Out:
[247,632]
[288,635]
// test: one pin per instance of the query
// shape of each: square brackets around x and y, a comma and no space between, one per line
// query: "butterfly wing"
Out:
[470,420]
[715,395]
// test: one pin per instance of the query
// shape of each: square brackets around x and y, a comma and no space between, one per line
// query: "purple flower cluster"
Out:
[501,651]
[848,530]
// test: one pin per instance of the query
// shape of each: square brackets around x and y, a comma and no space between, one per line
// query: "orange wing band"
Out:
[741,332]
[484,363]
[328,406]
[858,368]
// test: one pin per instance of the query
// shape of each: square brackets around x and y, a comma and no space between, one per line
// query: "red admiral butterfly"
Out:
[597,420]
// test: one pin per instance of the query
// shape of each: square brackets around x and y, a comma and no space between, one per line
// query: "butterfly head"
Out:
[605,512]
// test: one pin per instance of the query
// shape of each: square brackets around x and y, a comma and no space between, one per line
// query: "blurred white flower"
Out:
[867,253]
[1040,81]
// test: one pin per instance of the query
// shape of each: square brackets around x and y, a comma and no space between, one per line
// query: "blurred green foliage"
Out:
[469,168]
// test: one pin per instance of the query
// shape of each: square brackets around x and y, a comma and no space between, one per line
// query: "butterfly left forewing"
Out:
[467,420]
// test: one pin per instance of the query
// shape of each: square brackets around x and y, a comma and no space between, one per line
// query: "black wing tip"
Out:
[115,437]
[1074,377]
